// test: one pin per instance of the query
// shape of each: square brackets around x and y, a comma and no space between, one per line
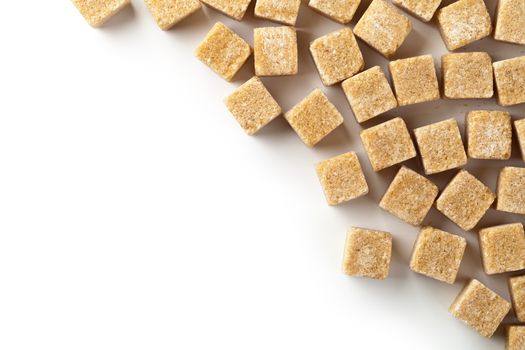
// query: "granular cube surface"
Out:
[510,21]
[520,132]
[423,9]
[282,11]
[511,190]
[167,13]
[489,135]
[275,51]
[515,338]
[517,293]
[98,12]
[467,75]
[233,8]
[502,248]
[341,11]
[510,81]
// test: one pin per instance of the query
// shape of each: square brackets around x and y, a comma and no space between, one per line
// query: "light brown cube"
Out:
[415,80]
[511,190]
[341,11]
[98,12]
[510,81]
[517,294]
[337,56]
[369,94]
[438,254]
[502,248]
[367,253]
[409,197]
[467,75]
[480,308]
[515,338]
[314,118]
[281,11]
[167,13]
[423,9]
[383,27]
[275,51]
[342,178]
[223,51]
[520,132]
[465,200]
[510,21]
[232,8]
[441,146]
[489,135]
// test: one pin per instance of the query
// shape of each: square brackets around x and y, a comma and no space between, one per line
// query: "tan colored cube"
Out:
[409,197]
[252,105]
[383,27]
[314,118]
[520,132]
[511,190]
[341,11]
[464,22]
[515,338]
[167,13]
[437,254]
[480,308]
[275,51]
[465,200]
[517,294]
[232,8]
[489,135]
[441,146]
[281,11]
[342,178]
[510,81]
[367,253]
[415,80]
[223,51]
[510,21]
[502,248]
[423,9]
[369,94]
[98,12]
[467,75]
[337,56]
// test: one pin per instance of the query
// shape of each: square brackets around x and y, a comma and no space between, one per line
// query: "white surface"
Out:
[135,214]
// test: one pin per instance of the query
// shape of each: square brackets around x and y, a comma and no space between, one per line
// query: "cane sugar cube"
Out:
[441,146]
[167,13]
[367,253]
[517,294]
[520,132]
[465,200]
[510,21]
[409,197]
[342,178]
[369,94]
[515,338]
[464,22]
[232,8]
[489,135]
[314,118]
[415,80]
[275,51]
[467,75]
[383,27]
[480,308]
[510,81]
[511,190]
[502,248]
[281,11]
[423,9]
[341,11]
[438,254]
[223,51]
[98,12]
[337,56]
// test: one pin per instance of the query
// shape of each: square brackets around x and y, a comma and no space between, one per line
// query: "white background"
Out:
[136,214]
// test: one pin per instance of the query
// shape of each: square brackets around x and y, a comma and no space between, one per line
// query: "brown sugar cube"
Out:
[502,248]
[510,21]
[281,11]
[369,94]
[388,144]
[415,80]
[510,81]
[467,75]
[480,308]
[423,9]
[438,254]
[409,197]
[233,8]
[223,51]
[314,118]
[464,22]
[520,132]
[441,146]
[341,11]
[465,200]
[275,51]
[167,13]
[337,56]
[511,190]
[367,253]
[489,135]
[383,27]
[517,294]
[98,12]
[342,178]
[515,338]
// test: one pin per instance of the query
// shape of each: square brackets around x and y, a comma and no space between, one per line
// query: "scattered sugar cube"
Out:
[489,135]
[441,146]
[98,12]
[275,51]
[281,11]
[409,197]
[314,118]
[511,190]
[369,94]
[388,144]
[467,75]
[502,248]
[517,294]
[383,27]
[223,51]
[465,200]
[424,10]
[520,132]
[415,80]
[367,253]
[515,338]
[342,178]
[341,11]
[510,21]
[167,13]
[233,8]
[510,81]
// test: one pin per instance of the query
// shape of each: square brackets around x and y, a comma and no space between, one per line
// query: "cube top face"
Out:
[314,118]
[388,144]
[275,51]
[464,22]
[424,10]
[502,248]
[369,94]
[282,11]
[520,132]
[98,12]
[383,27]
[480,308]
[415,80]
[337,56]
[367,253]
[232,8]
[510,21]
[510,81]
[515,338]
[467,75]
[441,146]
[465,200]
[511,190]
[342,178]
[409,197]
[517,293]
[341,11]
[489,135]
[167,13]
[223,51]
[438,254]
